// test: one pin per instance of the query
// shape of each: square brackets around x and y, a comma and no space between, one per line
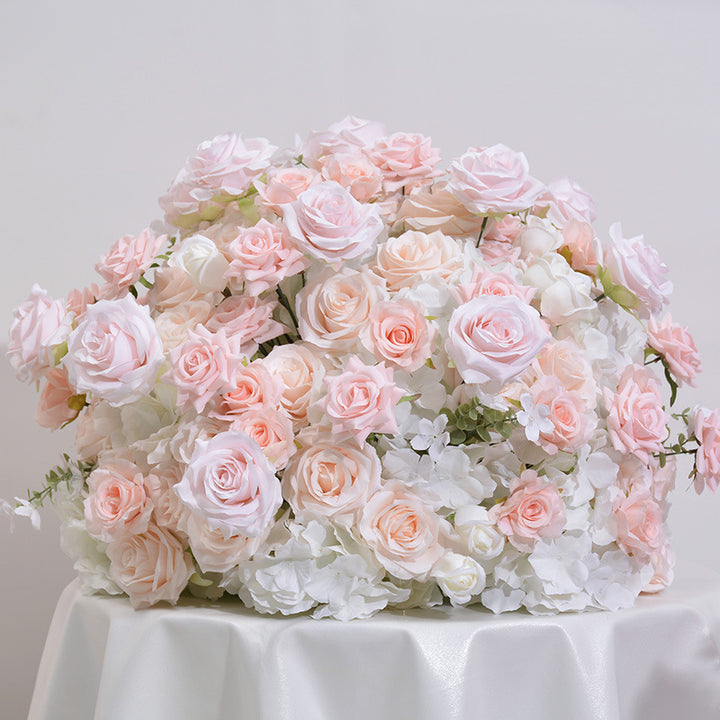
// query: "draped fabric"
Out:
[659,660]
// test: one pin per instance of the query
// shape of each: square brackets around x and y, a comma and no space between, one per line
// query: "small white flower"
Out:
[22,509]
[534,418]
[431,436]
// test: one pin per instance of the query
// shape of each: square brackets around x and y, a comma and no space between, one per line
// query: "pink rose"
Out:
[128,259]
[252,387]
[327,222]
[494,339]
[327,481]
[55,408]
[497,244]
[639,524]
[493,180]
[585,250]
[676,345]
[150,567]
[220,169]
[334,306]
[78,300]
[705,426]
[638,267]
[355,173]
[174,324]
[533,510]
[361,400]
[299,371]
[399,333]
[565,200]
[168,510]
[348,135]
[202,366]
[636,422]
[39,324]
[402,531]
[89,441]
[116,505]
[261,256]
[405,260]
[487,282]
[271,430]
[115,352]
[406,160]
[231,484]
[284,185]
[247,320]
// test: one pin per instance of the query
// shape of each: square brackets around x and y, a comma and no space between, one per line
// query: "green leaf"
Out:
[457,437]
[59,352]
[623,297]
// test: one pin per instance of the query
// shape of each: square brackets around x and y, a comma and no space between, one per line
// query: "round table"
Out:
[659,660]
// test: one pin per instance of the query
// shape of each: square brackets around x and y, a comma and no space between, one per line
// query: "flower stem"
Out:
[286,304]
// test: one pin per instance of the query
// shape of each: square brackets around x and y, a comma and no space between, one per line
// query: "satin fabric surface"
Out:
[657,661]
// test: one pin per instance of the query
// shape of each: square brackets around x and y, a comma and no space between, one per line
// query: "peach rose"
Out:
[327,481]
[128,259]
[253,387]
[413,256]
[150,567]
[56,406]
[585,249]
[402,531]
[399,333]
[565,200]
[405,160]
[168,511]
[639,523]
[533,510]
[285,185]
[334,306]
[117,504]
[89,441]
[361,400]
[172,286]
[174,324]
[676,345]
[487,282]
[327,222]
[271,430]
[705,426]
[355,173]
[636,422]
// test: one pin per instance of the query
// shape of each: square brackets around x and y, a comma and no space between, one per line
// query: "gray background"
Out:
[102,103]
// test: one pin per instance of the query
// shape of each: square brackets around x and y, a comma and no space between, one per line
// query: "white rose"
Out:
[538,238]
[483,539]
[200,258]
[459,577]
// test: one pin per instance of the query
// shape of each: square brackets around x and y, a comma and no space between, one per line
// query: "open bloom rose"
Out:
[493,180]
[327,222]
[585,249]
[676,345]
[263,255]
[129,258]
[399,333]
[284,185]
[494,339]
[405,159]
[117,504]
[253,387]
[402,531]
[173,287]
[566,200]
[639,268]
[706,429]
[637,422]
[38,324]
[55,408]
[639,523]
[79,298]
[334,306]
[349,135]
[361,400]
[202,366]
[271,430]
[174,324]
[330,481]
[498,243]
[168,510]
[533,510]
[150,567]
[115,352]
[231,484]
[355,173]
[487,282]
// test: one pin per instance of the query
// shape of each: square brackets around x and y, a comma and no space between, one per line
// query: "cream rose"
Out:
[200,258]
[459,577]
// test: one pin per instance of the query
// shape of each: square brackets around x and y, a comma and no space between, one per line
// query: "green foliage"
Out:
[475,423]
[69,473]
[617,293]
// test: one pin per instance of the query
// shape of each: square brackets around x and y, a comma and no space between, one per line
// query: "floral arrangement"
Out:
[338,378]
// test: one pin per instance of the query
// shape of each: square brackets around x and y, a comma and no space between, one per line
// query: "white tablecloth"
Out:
[658,661]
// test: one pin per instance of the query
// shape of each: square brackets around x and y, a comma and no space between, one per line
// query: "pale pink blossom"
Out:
[168,510]
[284,185]
[488,282]
[348,135]
[361,400]
[705,426]
[329,224]
[405,160]
[89,440]
[636,422]
[271,429]
[497,244]
[331,481]
[676,345]
[493,180]
[78,300]
[398,333]
[252,387]
[115,353]
[128,259]
[263,255]
[203,366]
[639,523]
[585,249]
[39,324]
[565,200]
[151,567]
[402,531]
[54,407]
[354,172]
[172,287]
[117,504]
[231,484]
[174,324]
[405,260]
[494,339]
[533,510]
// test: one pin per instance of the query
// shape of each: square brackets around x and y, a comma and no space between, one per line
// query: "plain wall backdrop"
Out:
[101,103]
